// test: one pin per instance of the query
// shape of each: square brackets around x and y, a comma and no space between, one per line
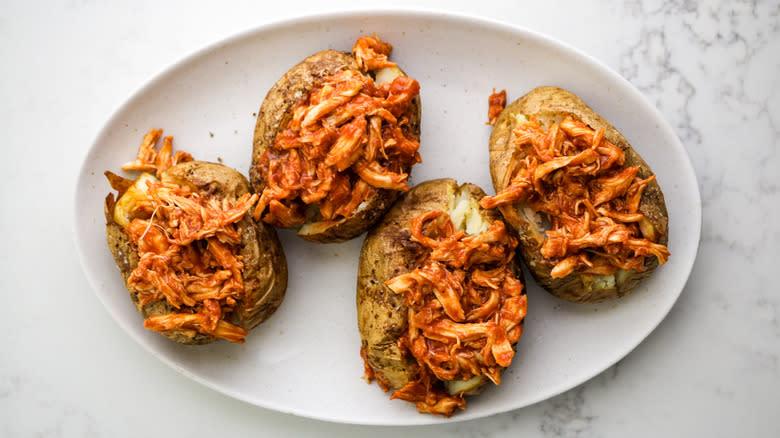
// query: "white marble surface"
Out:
[710,369]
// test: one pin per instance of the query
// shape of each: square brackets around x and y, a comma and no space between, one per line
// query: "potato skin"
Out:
[276,111]
[265,265]
[388,252]
[550,105]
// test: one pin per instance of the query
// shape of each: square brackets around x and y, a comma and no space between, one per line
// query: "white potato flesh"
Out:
[126,204]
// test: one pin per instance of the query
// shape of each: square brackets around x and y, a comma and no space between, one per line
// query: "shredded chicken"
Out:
[371,53]
[576,177]
[496,104]
[150,160]
[188,247]
[465,309]
[346,139]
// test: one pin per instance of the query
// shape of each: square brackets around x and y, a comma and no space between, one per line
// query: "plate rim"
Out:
[433,14]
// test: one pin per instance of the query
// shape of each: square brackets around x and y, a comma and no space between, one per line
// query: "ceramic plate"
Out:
[305,359]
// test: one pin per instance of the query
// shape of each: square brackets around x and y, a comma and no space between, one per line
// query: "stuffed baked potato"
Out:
[334,142]
[440,297]
[590,216]
[197,267]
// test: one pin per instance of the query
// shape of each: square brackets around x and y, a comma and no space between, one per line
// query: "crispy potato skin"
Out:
[265,265]
[387,252]
[550,105]
[276,111]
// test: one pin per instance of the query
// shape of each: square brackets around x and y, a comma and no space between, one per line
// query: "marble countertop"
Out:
[710,369]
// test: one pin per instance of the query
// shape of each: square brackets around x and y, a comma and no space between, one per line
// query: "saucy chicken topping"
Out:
[188,247]
[496,104]
[151,160]
[465,309]
[573,175]
[345,140]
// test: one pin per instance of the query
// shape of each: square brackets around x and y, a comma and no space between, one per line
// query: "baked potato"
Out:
[195,265]
[334,142]
[590,216]
[440,297]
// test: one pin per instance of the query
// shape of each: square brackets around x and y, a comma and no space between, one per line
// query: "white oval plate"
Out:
[305,360]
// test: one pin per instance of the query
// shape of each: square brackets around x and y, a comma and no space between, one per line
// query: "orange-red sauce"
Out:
[465,310]
[577,178]
[347,138]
